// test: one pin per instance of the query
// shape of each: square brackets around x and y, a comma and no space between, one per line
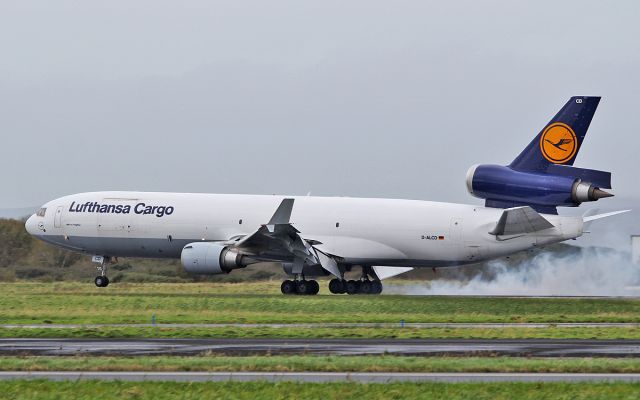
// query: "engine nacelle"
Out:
[502,184]
[211,258]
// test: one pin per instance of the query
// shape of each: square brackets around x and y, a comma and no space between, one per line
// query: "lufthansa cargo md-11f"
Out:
[321,236]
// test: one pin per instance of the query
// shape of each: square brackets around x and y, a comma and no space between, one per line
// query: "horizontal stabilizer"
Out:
[520,220]
[605,215]
[388,272]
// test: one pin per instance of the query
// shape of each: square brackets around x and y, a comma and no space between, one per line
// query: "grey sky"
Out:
[355,98]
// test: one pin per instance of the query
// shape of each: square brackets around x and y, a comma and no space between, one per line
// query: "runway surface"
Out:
[319,377]
[398,324]
[433,347]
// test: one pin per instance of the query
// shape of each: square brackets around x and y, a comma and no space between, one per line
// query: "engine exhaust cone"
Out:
[600,194]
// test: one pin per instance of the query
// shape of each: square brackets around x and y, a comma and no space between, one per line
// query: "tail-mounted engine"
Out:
[503,187]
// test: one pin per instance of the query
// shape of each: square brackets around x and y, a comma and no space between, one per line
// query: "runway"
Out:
[243,347]
[320,377]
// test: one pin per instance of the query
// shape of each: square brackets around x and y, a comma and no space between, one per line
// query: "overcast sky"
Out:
[349,98]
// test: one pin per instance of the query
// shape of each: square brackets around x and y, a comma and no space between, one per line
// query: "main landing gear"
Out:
[101,280]
[302,286]
[365,286]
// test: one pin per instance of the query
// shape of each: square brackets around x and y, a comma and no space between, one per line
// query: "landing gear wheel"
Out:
[302,287]
[376,287]
[313,287]
[352,287]
[288,287]
[365,287]
[337,286]
[101,281]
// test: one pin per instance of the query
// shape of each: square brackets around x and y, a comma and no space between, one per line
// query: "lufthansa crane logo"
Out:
[558,143]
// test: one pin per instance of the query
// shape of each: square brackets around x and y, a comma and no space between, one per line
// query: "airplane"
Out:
[329,236]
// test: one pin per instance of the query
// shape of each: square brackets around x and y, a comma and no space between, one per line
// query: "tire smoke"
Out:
[588,271]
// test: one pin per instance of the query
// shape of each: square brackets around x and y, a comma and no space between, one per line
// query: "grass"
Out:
[383,363]
[42,389]
[69,302]
[327,333]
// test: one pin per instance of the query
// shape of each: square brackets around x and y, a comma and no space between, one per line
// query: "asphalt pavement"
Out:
[422,347]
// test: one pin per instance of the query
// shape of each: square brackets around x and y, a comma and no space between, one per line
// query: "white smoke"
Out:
[588,272]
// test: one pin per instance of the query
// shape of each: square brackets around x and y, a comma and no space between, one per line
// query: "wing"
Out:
[590,218]
[519,221]
[279,240]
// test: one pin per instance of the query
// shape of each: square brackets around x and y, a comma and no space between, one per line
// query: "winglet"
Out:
[283,213]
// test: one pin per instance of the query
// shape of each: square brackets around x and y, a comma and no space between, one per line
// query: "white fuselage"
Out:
[361,231]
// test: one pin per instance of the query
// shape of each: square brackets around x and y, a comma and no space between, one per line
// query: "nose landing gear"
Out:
[101,280]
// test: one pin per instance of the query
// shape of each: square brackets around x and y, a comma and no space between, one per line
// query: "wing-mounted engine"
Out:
[212,258]
[504,187]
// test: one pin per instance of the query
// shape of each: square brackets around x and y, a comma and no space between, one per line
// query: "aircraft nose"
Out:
[31,225]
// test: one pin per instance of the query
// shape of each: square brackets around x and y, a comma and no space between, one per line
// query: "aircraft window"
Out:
[41,212]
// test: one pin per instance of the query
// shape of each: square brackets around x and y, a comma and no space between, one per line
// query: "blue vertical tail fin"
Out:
[560,140]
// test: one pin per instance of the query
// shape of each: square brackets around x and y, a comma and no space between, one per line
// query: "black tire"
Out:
[313,288]
[100,281]
[336,286]
[352,287]
[376,287]
[366,287]
[302,287]
[288,287]
[106,282]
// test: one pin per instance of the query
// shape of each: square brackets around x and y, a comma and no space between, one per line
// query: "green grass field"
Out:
[27,303]
[385,363]
[40,389]
[327,333]
[82,303]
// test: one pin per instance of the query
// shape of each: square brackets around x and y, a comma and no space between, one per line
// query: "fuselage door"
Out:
[57,219]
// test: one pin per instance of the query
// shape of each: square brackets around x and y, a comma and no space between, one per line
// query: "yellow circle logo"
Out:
[558,143]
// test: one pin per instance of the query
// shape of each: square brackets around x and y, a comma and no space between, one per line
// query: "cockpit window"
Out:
[41,212]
